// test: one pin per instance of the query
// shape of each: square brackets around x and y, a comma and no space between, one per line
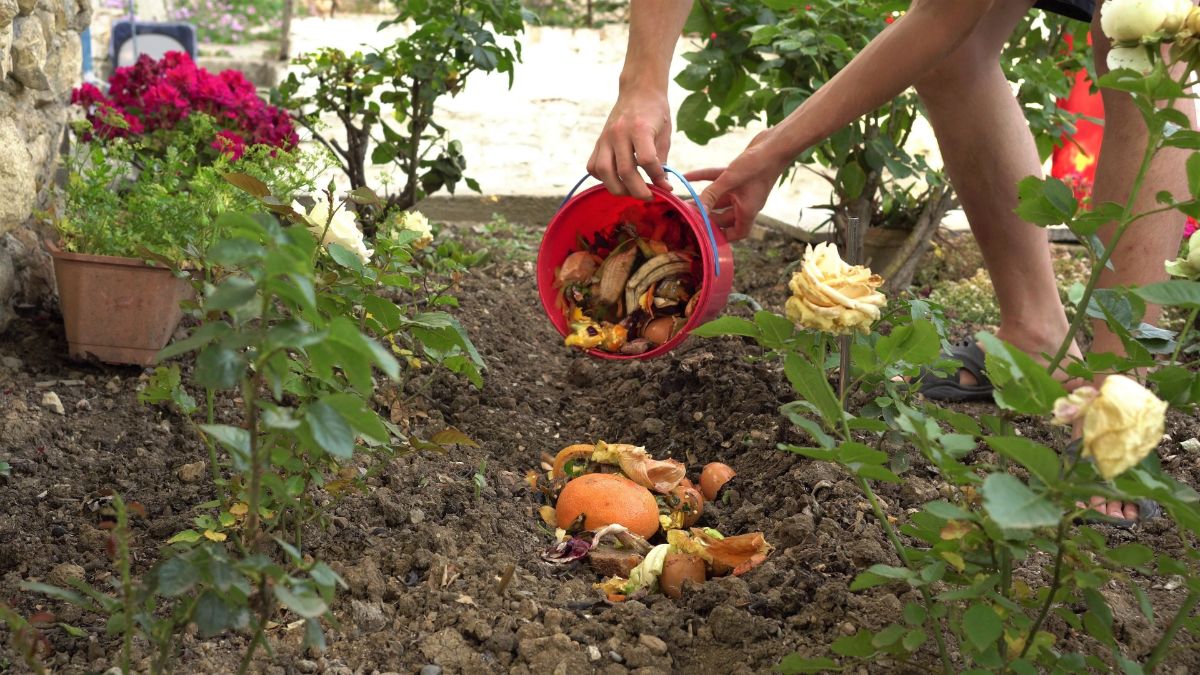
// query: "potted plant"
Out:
[144,182]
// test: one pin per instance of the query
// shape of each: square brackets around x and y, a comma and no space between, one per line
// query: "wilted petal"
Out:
[565,552]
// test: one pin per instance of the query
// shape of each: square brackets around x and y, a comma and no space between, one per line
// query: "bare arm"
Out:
[898,57]
[638,130]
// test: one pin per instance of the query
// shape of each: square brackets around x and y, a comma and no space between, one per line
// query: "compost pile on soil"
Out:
[442,575]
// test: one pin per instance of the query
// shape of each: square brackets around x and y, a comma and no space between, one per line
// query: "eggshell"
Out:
[714,475]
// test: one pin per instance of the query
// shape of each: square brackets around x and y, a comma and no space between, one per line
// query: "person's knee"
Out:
[950,80]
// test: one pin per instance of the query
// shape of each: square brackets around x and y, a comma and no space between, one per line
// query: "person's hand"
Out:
[637,133]
[740,190]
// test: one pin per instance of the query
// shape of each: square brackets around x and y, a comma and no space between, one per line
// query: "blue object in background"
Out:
[85,39]
[130,39]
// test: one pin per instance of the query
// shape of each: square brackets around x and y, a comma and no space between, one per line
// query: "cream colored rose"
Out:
[1121,425]
[831,296]
[1133,58]
[417,222]
[1177,15]
[1131,20]
[342,230]
[1187,267]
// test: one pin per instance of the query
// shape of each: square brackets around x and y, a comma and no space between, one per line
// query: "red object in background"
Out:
[1074,161]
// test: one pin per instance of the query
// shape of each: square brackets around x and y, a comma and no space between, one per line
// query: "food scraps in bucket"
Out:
[633,287]
[612,500]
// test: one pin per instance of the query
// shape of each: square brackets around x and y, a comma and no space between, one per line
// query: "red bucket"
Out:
[596,210]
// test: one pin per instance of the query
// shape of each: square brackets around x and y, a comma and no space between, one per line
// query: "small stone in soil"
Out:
[1191,445]
[11,362]
[368,616]
[51,402]
[83,404]
[57,531]
[306,666]
[431,670]
[653,643]
[190,473]
[63,573]
[593,653]
[653,425]
[615,656]
[416,516]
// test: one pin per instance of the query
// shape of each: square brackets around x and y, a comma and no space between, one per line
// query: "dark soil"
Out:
[424,554]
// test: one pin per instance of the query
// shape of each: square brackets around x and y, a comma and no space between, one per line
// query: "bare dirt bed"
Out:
[424,553]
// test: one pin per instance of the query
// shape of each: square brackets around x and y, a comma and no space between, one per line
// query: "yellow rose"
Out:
[1122,425]
[1133,58]
[1131,20]
[1187,267]
[1177,15]
[417,222]
[833,297]
[341,230]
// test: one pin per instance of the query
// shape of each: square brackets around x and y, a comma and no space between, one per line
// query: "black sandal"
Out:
[949,388]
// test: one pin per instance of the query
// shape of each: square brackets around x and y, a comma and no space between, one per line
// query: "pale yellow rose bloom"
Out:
[1131,20]
[1189,267]
[1122,425]
[1133,58]
[417,222]
[832,296]
[341,230]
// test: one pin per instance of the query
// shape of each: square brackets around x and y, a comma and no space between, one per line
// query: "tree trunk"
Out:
[899,273]
[285,31]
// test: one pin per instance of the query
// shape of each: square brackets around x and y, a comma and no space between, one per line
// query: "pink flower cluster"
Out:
[152,96]
[1190,228]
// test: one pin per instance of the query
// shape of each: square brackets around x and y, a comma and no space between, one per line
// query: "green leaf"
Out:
[1131,555]
[219,367]
[329,430]
[346,258]
[343,331]
[914,343]
[810,383]
[176,576]
[364,420]
[1014,506]
[212,615]
[1193,174]
[235,252]
[981,626]
[73,631]
[185,537]
[235,439]
[853,180]
[1041,461]
[914,639]
[728,325]
[1177,293]
[857,645]
[1045,202]
[775,329]
[948,511]
[1022,384]
[887,636]
[313,635]
[199,337]
[302,601]
[230,294]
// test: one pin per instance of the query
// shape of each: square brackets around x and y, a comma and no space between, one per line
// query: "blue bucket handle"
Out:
[712,238]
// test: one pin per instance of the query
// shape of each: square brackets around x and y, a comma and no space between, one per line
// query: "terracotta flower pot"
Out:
[117,310]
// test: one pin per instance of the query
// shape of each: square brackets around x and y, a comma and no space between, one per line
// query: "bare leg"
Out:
[1139,256]
[987,148]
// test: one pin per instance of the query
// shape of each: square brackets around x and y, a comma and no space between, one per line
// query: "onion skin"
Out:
[678,568]
[714,476]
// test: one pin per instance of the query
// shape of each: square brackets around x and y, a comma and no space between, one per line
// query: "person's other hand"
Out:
[740,190]
[637,133]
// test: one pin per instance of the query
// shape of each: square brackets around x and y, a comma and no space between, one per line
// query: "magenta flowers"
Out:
[152,96]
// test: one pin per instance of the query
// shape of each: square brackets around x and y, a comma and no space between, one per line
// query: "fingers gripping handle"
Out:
[712,238]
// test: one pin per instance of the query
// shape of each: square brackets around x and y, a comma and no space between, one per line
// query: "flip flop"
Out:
[948,388]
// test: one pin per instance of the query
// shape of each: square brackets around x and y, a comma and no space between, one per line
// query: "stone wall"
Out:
[40,62]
